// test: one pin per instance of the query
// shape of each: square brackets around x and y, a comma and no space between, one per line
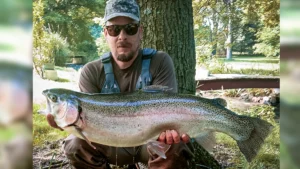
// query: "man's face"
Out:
[123,42]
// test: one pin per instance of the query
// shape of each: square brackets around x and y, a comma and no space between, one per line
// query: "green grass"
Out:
[250,71]
[252,59]
[63,80]
[42,131]
[218,65]
[269,155]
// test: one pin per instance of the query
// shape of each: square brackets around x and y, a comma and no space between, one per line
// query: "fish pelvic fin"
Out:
[206,140]
[158,148]
[84,137]
[251,146]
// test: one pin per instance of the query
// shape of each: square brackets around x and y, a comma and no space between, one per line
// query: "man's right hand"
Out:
[52,123]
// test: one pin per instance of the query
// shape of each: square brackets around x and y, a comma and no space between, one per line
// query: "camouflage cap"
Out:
[127,8]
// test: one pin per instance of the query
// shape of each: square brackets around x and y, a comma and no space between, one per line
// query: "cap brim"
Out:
[129,15]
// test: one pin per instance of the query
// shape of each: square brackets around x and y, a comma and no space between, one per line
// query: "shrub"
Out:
[53,49]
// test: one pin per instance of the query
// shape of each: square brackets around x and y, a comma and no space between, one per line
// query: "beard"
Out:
[125,57]
[128,57]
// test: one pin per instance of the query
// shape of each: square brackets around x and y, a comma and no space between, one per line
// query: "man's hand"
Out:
[172,137]
[52,123]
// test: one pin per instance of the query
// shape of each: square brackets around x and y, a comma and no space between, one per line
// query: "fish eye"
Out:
[53,98]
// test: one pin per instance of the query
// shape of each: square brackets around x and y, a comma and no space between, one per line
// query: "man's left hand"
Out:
[172,137]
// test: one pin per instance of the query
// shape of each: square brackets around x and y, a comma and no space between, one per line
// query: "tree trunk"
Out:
[229,36]
[215,32]
[229,41]
[168,26]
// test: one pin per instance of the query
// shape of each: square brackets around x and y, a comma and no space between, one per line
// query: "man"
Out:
[125,69]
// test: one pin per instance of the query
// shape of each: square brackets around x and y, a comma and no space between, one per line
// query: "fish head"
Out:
[62,105]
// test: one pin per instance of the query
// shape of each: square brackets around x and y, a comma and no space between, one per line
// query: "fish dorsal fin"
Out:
[156,89]
[220,101]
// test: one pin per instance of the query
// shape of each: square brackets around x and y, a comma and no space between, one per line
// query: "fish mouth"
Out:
[48,107]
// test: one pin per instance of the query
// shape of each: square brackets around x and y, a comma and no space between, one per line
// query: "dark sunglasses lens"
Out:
[113,30]
[131,29]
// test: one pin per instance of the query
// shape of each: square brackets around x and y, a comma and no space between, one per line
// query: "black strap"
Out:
[145,78]
[111,85]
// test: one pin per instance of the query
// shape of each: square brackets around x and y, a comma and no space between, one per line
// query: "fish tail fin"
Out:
[158,148]
[207,141]
[251,146]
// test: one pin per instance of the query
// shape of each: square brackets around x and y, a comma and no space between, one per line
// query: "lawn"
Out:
[248,65]
[42,132]
[252,59]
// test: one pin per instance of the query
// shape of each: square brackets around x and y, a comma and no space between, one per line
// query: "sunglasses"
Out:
[130,29]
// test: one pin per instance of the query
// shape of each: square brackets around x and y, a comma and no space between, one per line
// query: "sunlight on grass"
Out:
[253,59]
[66,69]
[62,80]
[222,66]
[42,131]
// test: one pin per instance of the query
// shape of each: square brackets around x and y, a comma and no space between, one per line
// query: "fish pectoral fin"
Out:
[84,137]
[158,148]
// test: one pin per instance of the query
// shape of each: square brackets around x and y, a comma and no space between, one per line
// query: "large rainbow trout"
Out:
[133,119]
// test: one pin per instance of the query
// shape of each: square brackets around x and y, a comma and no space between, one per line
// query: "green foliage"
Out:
[88,49]
[102,46]
[53,49]
[269,41]
[38,23]
[211,20]
[203,54]
[244,44]
[73,19]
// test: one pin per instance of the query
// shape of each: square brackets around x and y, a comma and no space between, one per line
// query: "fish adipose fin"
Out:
[158,148]
[251,146]
[83,136]
[220,101]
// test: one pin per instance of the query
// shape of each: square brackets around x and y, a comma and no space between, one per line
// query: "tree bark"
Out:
[168,26]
